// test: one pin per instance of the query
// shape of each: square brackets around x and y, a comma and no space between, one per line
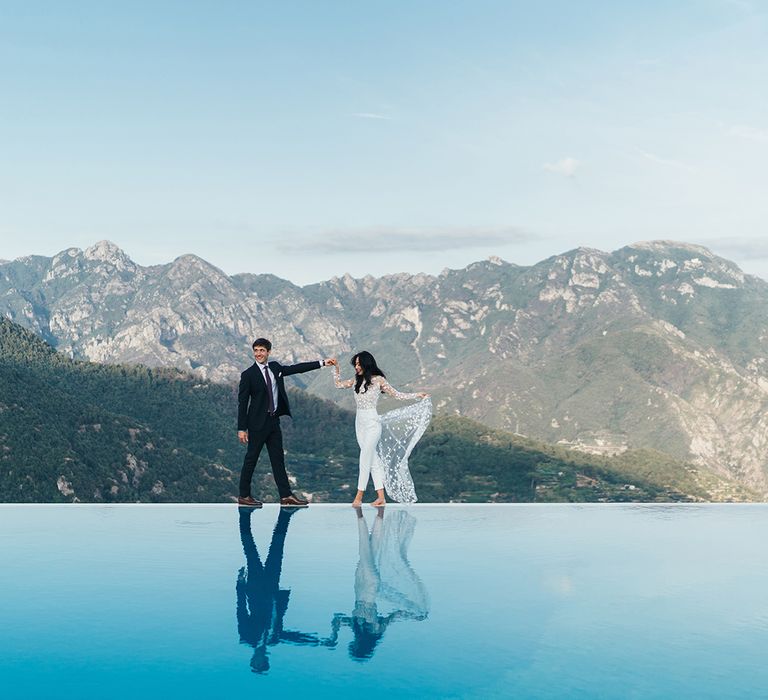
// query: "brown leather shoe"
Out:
[249,501]
[294,501]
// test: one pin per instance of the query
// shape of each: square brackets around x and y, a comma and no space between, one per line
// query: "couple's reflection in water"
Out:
[386,588]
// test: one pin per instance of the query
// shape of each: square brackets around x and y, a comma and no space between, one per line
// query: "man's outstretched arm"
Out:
[302,367]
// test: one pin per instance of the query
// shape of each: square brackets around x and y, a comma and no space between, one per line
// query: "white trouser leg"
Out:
[366,576]
[368,431]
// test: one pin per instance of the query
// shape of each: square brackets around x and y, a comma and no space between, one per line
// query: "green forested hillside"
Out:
[98,433]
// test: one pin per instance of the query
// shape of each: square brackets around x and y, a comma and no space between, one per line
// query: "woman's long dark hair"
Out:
[370,370]
[367,636]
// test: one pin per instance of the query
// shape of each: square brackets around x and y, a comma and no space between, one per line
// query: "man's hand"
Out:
[331,361]
[242,436]
[422,395]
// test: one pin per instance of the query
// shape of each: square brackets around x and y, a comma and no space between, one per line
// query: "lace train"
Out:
[401,429]
[400,586]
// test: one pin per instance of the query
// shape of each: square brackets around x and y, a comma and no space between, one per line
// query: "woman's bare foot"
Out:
[380,499]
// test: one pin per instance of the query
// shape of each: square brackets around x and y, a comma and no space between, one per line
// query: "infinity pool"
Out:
[496,601]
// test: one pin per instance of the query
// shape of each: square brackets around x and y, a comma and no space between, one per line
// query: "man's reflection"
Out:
[383,579]
[261,603]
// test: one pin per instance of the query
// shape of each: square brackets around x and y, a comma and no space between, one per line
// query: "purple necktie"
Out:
[269,390]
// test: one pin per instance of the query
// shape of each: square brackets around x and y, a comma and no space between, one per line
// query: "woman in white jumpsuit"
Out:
[369,384]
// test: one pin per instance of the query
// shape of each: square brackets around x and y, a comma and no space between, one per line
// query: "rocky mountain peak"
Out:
[580,269]
[492,263]
[109,253]
[65,255]
[683,262]
[665,247]
[192,264]
[346,281]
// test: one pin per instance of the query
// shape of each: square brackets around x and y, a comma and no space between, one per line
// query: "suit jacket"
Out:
[252,396]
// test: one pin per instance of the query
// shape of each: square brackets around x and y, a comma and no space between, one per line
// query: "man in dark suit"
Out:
[261,401]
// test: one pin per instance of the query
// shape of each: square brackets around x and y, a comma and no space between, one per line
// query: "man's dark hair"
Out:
[262,342]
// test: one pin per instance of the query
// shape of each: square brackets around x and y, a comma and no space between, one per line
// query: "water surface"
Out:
[494,601]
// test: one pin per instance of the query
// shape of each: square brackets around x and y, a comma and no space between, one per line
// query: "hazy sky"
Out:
[308,139]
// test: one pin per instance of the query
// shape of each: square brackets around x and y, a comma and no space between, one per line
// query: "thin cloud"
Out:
[565,166]
[371,115]
[749,132]
[667,162]
[395,240]
[740,248]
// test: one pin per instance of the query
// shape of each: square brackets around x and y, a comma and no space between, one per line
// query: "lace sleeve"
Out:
[347,384]
[388,389]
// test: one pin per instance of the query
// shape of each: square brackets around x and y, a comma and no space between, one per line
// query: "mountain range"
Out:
[659,345]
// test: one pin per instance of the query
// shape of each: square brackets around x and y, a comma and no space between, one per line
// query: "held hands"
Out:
[242,436]
[331,361]
[422,395]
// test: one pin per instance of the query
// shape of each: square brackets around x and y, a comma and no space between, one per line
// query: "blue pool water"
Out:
[495,601]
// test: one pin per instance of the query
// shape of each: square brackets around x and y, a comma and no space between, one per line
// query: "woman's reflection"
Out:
[261,603]
[384,580]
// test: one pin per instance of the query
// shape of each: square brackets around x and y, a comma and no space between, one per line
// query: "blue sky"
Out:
[309,139]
